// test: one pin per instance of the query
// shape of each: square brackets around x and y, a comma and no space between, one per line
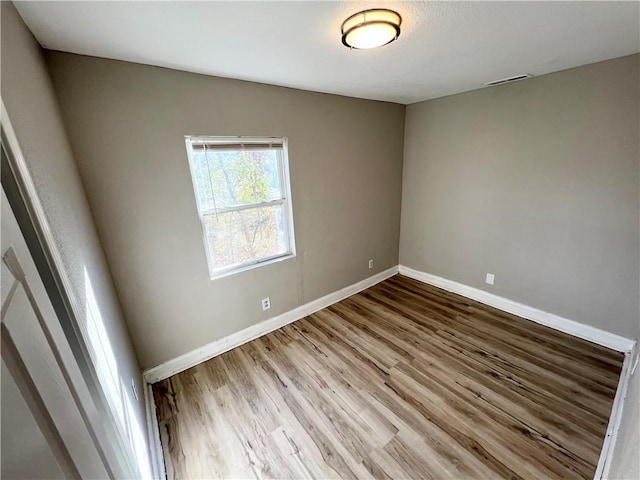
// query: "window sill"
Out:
[244,268]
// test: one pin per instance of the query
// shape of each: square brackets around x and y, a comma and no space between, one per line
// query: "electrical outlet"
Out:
[490,278]
[266,303]
[371,263]
[134,388]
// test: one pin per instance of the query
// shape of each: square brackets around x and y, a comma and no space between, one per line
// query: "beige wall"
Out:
[31,104]
[127,124]
[536,182]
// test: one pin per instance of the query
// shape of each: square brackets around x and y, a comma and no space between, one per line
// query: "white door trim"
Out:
[121,461]
[37,406]
[615,420]
[153,430]
[23,377]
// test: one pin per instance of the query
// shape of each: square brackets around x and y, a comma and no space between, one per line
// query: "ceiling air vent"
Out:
[515,78]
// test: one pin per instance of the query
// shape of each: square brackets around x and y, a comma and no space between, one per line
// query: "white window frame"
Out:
[286,201]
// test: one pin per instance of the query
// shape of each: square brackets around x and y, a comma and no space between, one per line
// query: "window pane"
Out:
[240,177]
[201,179]
[239,237]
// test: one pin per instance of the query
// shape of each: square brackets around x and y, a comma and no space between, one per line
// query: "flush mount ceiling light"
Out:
[371,28]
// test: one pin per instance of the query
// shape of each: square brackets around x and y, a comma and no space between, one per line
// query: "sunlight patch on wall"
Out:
[113,384]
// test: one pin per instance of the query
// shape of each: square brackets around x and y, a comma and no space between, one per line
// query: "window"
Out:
[244,201]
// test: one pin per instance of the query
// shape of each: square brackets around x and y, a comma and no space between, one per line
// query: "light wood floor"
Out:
[402,380]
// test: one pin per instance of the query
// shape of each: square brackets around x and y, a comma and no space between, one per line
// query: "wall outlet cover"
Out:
[266,303]
[490,278]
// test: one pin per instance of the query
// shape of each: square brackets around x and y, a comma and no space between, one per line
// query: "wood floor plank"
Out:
[403,380]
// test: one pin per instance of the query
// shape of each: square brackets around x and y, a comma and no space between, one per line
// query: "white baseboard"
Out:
[615,419]
[156,455]
[586,332]
[217,347]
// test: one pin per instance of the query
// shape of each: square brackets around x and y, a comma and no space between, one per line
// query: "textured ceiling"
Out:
[444,48]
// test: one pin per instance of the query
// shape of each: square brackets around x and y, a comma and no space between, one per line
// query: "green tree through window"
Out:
[243,200]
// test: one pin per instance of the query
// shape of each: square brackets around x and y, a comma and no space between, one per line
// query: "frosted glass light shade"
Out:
[371,29]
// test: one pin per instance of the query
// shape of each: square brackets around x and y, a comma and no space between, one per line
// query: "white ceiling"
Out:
[444,47]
